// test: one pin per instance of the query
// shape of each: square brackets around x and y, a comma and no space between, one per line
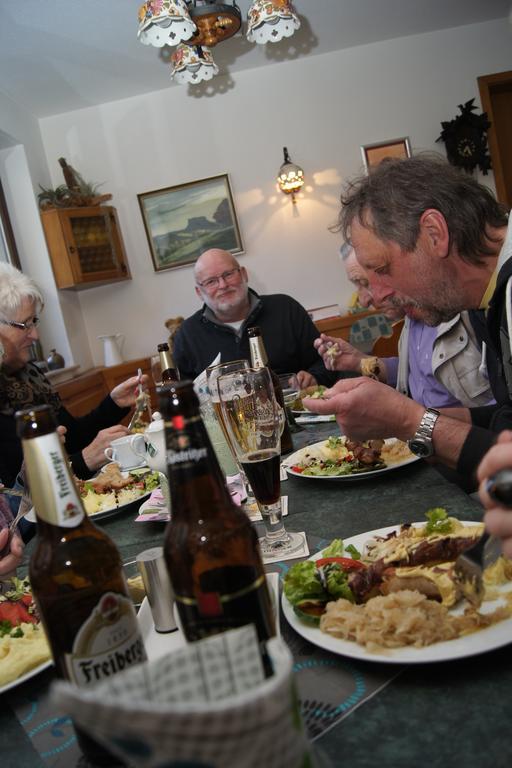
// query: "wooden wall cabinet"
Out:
[85,246]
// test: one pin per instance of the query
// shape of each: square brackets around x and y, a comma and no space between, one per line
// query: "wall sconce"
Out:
[290,177]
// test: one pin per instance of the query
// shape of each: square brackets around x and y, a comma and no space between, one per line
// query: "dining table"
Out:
[357,712]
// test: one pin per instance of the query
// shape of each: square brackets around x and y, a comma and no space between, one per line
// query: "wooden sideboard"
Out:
[83,393]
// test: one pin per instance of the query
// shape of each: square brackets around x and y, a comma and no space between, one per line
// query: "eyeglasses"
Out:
[27,326]
[228,277]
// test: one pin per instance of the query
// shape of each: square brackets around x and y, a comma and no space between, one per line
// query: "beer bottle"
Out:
[75,573]
[211,548]
[259,359]
[169,370]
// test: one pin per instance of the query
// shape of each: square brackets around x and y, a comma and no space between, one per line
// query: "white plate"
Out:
[25,677]
[473,644]
[296,458]
[118,510]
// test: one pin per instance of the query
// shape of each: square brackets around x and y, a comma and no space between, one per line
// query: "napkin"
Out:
[207,703]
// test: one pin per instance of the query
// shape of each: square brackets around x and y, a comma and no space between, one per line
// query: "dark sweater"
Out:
[287,330]
[491,419]
[80,432]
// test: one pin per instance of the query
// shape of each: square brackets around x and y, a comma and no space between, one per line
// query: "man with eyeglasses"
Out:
[230,307]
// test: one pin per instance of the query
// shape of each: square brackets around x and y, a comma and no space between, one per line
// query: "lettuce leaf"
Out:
[302,582]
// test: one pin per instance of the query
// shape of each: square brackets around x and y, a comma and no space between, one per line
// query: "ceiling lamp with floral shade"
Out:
[193,27]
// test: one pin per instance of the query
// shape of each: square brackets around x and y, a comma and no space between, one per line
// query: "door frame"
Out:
[486,84]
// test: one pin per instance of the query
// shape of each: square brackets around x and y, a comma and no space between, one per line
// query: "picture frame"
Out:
[183,221]
[373,154]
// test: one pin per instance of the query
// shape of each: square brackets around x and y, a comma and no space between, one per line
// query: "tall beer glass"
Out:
[254,421]
[212,374]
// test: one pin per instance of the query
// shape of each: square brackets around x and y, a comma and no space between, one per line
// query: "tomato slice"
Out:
[298,469]
[347,563]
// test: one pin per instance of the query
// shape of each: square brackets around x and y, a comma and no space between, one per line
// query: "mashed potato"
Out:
[18,655]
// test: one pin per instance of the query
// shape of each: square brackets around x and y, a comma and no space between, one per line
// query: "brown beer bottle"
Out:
[259,359]
[169,370]
[211,548]
[76,573]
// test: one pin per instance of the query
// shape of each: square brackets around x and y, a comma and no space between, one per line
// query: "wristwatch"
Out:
[421,443]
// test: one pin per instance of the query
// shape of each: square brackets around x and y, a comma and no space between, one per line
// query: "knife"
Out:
[470,565]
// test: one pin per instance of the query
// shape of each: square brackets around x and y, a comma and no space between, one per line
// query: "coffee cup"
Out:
[150,446]
[121,451]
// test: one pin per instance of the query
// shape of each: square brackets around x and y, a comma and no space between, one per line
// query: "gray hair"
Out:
[389,201]
[14,287]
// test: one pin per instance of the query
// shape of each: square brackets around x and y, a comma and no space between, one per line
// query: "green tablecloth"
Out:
[446,714]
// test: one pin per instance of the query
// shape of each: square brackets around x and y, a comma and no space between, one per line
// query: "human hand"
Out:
[125,393]
[498,519]
[94,453]
[13,559]
[366,409]
[338,354]
[306,379]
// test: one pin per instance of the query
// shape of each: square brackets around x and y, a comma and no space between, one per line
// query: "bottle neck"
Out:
[196,481]
[53,491]
[166,360]
[259,357]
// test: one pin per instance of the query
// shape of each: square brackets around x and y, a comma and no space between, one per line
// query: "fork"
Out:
[22,511]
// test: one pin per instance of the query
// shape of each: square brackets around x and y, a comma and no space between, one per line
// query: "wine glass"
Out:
[253,419]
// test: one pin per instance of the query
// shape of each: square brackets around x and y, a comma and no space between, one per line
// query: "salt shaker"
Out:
[152,568]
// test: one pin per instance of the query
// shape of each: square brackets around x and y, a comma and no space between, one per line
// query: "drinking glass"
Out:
[156,370]
[253,420]
[291,390]
[212,374]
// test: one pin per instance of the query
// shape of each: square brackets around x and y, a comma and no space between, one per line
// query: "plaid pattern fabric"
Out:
[365,332]
[206,703]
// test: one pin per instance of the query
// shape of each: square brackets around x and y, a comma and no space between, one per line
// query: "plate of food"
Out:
[112,491]
[24,651]
[389,595]
[339,458]
[315,392]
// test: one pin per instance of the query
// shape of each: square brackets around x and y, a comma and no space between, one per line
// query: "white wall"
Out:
[322,108]
[22,168]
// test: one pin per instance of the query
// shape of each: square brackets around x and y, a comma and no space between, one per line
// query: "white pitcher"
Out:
[111,349]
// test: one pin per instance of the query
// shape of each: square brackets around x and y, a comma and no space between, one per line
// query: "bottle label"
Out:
[217,610]
[180,451]
[108,642]
[56,499]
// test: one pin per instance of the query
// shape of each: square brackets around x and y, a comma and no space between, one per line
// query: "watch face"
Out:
[420,448]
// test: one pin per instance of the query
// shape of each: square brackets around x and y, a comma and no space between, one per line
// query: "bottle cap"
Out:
[160,594]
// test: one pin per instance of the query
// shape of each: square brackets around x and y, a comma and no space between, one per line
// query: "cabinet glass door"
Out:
[94,243]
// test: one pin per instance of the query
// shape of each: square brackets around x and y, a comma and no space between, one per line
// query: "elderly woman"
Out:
[23,385]
[10,552]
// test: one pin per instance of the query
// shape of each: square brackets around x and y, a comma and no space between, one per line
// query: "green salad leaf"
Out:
[356,555]
[302,582]
[337,582]
[335,549]
[438,521]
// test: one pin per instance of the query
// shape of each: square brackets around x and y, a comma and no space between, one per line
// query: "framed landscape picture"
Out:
[184,221]
[374,153]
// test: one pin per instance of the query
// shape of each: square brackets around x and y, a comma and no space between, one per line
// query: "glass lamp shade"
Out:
[290,177]
[164,22]
[268,21]
[192,64]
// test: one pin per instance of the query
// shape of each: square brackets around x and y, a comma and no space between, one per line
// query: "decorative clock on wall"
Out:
[465,138]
